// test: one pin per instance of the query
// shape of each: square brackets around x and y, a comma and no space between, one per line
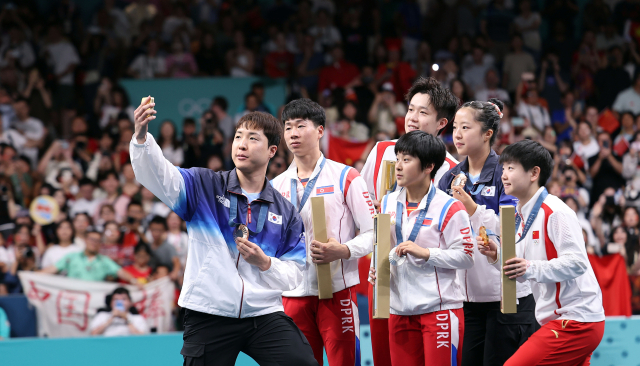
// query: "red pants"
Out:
[560,342]
[433,339]
[379,336]
[332,323]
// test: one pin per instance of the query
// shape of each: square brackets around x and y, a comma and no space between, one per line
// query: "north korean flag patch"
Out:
[324,190]
[427,222]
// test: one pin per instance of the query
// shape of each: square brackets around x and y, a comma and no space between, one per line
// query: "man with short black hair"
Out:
[246,246]
[90,265]
[431,108]
[332,324]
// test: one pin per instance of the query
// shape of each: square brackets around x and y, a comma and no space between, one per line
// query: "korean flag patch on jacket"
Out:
[489,191]
[320,191]
[276,219]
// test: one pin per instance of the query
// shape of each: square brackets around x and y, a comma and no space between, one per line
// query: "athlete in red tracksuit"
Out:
[551,255]
[332,323]
[431,108]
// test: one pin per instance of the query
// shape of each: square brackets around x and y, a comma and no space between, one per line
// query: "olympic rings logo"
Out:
[188,107]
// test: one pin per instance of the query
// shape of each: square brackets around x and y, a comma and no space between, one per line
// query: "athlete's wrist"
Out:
[346,252]
[141,135]
[426,254]
[266,264]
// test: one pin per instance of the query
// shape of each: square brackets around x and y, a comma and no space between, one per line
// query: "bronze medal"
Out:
[483,234]
[241,232]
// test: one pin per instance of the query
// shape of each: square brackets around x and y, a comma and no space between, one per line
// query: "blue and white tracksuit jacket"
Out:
[217,280]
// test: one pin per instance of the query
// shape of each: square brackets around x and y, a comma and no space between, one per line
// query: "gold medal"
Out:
[241,232]
[151,100]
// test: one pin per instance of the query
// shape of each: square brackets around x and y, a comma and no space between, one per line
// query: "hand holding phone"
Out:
[119,305]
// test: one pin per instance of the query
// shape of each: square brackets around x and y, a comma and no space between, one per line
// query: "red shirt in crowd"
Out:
[338,75]
[141,276]
[278,64]
[401,76]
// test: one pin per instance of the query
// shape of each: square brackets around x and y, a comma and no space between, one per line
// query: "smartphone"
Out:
[119,305]
[605,144]
[64,144]
[517,121]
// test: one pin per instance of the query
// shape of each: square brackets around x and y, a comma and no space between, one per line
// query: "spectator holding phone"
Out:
[605,168]
[119,318]
[606,214]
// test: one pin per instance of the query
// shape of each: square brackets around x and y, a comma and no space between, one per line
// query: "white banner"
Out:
[65,306]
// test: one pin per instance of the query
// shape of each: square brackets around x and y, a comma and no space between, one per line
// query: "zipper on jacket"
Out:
[248,212]
[241,279]
[466,288]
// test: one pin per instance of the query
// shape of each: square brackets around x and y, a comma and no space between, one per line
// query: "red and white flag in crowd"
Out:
[345,151]
[65,306]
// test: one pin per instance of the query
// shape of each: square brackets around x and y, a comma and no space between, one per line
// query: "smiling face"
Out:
[250,150]
[409,171]
[517,182]
[467,132]
[421,115]
[302,136]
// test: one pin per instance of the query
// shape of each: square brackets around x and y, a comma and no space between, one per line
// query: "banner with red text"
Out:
[65,306]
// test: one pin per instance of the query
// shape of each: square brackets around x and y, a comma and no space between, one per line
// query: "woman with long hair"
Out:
[169,143]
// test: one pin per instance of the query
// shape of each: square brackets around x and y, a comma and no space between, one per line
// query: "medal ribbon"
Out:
[307,190]
[532,215]
[262,217]
[419,219]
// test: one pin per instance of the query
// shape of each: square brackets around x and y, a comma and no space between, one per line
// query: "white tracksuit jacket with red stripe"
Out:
[385,150]
[558,269]
[347,206]
[419,286]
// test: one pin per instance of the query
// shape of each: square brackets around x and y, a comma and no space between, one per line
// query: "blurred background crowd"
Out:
[568,71]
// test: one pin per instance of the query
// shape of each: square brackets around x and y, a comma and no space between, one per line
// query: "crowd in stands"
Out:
[568,72]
